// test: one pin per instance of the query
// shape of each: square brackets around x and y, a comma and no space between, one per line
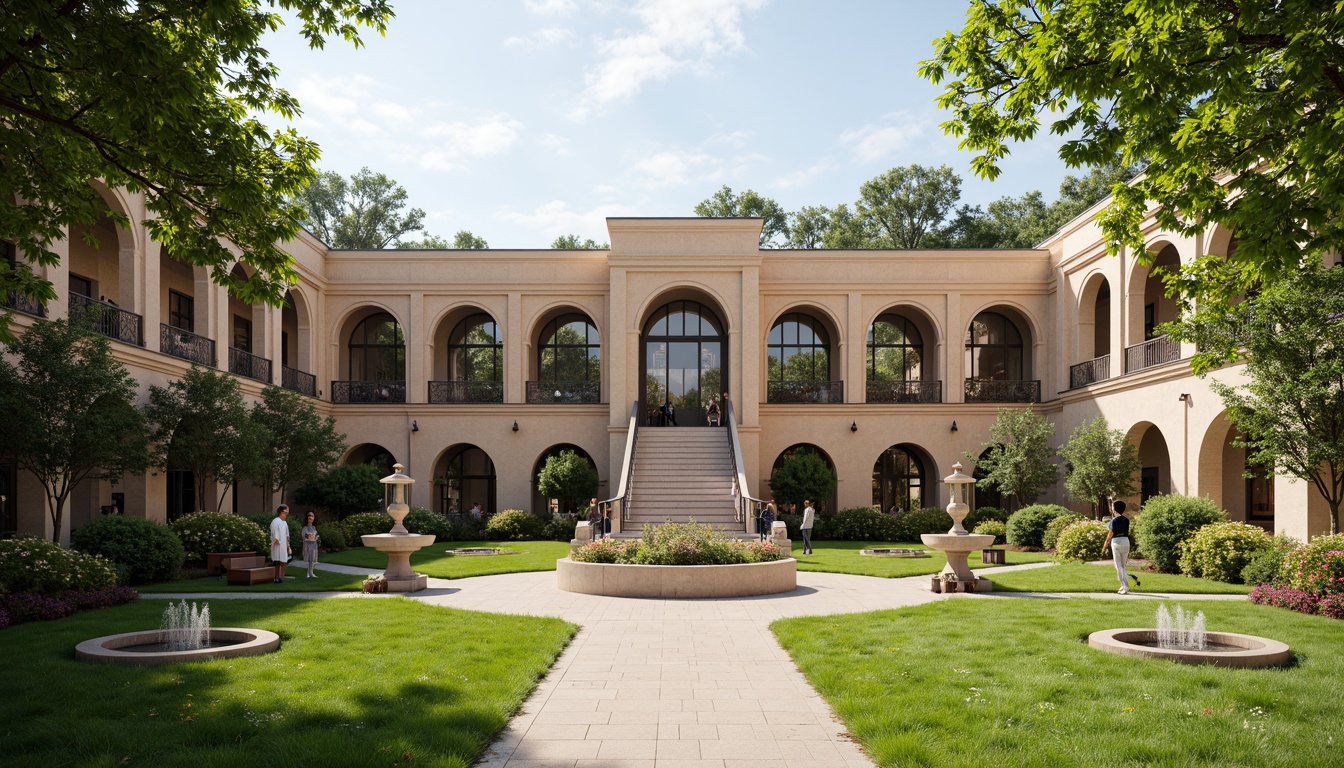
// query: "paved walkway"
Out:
[676,683]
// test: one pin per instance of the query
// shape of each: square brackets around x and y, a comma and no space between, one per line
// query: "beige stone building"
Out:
[470,367]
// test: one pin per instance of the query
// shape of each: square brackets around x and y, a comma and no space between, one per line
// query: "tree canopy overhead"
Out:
[365,213]
[159,97]
[727,204]
[1234,106]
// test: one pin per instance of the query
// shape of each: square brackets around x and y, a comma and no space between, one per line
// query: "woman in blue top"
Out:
[1117,538]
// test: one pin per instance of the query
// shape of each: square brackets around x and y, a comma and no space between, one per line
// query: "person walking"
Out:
[809,517]
[1117,539]
[280,551]
[595,518]
[308,534]
[712,412]
[767,518]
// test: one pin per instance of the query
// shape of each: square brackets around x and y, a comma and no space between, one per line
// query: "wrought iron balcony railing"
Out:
[186,345]
[1091,371]
[1002,391]
[247,364]
[466,391]
[298,381]
[1150,353]
[565,392]
[904,391]
[805,392]
[21,302]
[109,320]
[368,391]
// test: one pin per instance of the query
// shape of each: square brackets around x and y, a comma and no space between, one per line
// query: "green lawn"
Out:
[1082,577]
[435,560]
[326,581]
[844,557]
[979,682]
[355,682]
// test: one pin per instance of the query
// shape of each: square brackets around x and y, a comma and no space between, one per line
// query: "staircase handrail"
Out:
[627,467]
[743,499]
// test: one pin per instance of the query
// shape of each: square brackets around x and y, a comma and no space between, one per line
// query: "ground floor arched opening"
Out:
[550,507]
[903,479]
[1154,461]
[372,454]
[793,506]
[1229,476]
[464,482]
[985,496]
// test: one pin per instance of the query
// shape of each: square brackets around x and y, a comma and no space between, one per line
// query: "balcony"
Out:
[297,381]
[1150,353]
[805,392]
[904,391]
[108,319]
[24,303]
[1002,391]
[368,391]
[186,345]
[1092,371]
[564,392]
[249,365]
[466,392]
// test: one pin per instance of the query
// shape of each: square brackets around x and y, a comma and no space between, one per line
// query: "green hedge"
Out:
[365,522]
[205,532]
[1166,521]
[993,528]
[142,549]
[1056,527]
[1221,551]
[30,564]
[1027,525]
[1266,567]
[678,544]
[514,525]
[331,536]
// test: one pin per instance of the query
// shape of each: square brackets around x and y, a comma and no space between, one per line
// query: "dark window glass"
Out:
[895,350]
[798,349]
[570,350]
[181,311]
[81,286]
[242,334]
[898,480]
[476,350]
[377,350]
[994,348]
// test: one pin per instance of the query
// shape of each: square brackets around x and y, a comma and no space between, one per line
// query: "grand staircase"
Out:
[682,473]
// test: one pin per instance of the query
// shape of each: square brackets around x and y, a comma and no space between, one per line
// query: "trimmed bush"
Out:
[984,514]
[264,520]
[142,549]
[1166,521]
[1221,551]
[1056,527]
[861,524]
[205,532]
[912,524]
[560,528]
[365,522]
[1083,540]
[1317,567]
[331,537]
[466,528]
[1027,525]
[39,566]
[1266,567]
[421,520]
[993,528]
[514,525]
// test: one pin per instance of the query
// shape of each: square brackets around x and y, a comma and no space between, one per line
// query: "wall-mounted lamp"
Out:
[515,425]
[954,427]
[414,427]
[319,393]
[853,426]
[1185,397]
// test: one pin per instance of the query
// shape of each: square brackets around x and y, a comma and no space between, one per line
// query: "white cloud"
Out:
[409,133]
[877,140]
[734,139]
[550,7]
[674,36]
[555,218]
[557,144]
[800,177]
[666,169]
[542,37]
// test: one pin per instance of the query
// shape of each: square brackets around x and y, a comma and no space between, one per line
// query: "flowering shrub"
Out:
[605,551]
[1166,521]
[35,565]
[142,549]
[365,522]
[1027,525]
[993,528]
[676,544]
[27,606]
[1083,540]
[204,532]
[514,525]
[1285,597]
[1317,567]
[1332,606]
[1220,551]
[1051,535]
[762,552]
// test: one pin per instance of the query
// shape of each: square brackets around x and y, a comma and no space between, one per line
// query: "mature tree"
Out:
[1016,460]
[568,478]
[301,445]
[1290,413]
[200,424]
[1235,108]
[803,475]
[1100,463]
[365,213]
[464,240]
[161,97]
[573,243]
[848,230]
[345,490]
[428,242]
[808,227]
[908,207]
[725,204]
[69,411]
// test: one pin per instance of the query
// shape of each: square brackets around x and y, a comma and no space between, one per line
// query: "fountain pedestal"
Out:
[399,543]
[957,543]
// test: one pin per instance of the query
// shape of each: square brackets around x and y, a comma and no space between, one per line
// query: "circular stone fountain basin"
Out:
[953,542]
[145,649]
[1223,649]
[895,552]
[480,551]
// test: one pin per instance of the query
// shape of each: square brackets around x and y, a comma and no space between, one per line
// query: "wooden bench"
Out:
[249,570]
[992,557]
[216,562]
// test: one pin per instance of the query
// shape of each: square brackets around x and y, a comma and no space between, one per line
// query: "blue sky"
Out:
[521,120]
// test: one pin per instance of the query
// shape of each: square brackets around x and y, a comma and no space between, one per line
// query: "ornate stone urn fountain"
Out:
[957,543]
[399,543]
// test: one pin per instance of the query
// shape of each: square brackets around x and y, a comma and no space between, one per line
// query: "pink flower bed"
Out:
[21,607]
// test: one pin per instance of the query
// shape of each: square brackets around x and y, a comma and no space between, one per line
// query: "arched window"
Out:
[682,367]
[377,350]
[896,363]
[476,351]
[993,348]
[898,480]
[798,362]
[468,479]
[569,365]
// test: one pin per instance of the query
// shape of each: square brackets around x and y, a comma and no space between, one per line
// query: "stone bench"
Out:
[249,570]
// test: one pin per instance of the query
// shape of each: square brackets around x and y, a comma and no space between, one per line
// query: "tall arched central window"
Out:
[896,363]
[377,350]
[798,362]
[569,364]
[993,348]
[898,480]
[476,351]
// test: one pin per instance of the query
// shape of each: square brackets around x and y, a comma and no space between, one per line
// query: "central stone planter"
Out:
[677,581]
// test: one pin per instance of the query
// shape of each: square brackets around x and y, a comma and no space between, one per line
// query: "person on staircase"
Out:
[809,517]
[595,518]
[712,412]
